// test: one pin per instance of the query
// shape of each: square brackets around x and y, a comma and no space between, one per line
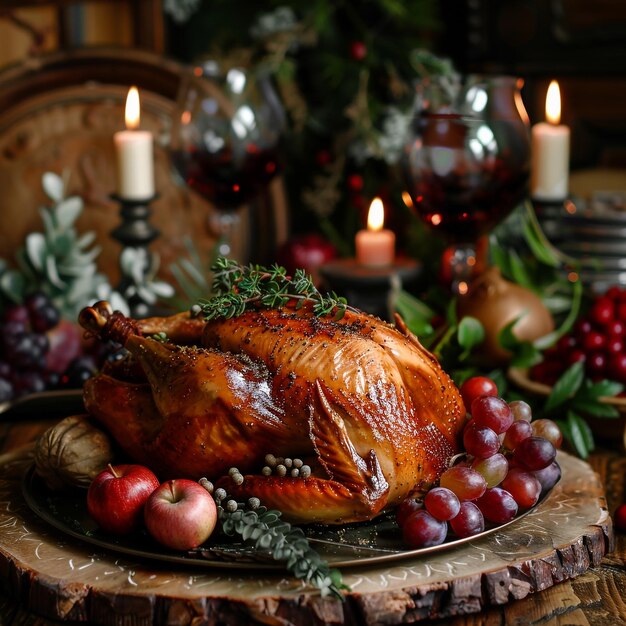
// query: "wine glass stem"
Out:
[465,262]
[227,223]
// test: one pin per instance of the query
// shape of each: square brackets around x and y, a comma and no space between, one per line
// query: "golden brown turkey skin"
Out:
[390,393]
[361,401]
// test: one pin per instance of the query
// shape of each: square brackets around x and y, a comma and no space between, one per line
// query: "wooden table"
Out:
[596,597]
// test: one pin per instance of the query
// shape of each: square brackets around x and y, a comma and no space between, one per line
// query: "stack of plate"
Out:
[593,234]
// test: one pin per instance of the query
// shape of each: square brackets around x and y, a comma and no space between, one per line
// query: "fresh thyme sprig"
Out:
[269,533]
[236,288]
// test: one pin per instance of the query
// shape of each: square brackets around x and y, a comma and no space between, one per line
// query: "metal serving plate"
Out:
[350,545]
[48,404]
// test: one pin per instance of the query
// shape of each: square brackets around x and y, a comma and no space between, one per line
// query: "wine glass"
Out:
[467,164]
[225,135]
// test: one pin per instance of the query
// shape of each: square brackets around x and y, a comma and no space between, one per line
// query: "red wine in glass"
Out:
[225,181]
[465,173]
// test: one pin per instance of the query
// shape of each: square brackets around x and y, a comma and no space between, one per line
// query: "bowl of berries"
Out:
[595,350]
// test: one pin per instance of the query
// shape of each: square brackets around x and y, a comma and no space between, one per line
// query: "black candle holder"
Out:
[135,232]
[369,288]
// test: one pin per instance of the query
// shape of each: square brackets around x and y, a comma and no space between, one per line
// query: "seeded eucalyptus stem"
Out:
[237,288]
[286,543]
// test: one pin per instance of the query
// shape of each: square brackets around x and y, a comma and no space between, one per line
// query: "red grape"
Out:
[548,430]
[493,469]
[497,505]
[517,433]
[480,441]
[535,453]
[475,387]
[406,507]
[442,503]
[492,412]
[548,476]
[466,482]
[421,530]
[469,521]
[521,410]
[524,487]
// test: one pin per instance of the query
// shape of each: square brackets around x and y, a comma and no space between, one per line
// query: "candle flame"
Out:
[133,114]
[376,215]
[553,103]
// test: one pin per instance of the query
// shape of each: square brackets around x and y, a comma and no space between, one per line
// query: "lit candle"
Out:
[133,147]
[375,247]
[550,152]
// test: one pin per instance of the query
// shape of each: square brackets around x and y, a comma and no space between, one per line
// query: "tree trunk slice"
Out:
[57,577]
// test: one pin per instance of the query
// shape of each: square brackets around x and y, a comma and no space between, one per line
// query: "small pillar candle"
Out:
[133,148]
[375,247]
[550,152]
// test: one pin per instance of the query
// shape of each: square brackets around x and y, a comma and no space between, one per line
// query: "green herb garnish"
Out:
[237,288]
[270,534]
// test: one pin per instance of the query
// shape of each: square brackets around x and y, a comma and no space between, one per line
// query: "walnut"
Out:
[72,453]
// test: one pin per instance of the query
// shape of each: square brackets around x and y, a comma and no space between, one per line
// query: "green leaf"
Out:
[566,387]
[415,313]
[602,389]
[67,212]
[594,407]
[519,272]
[13,285]
[36,250]
[580,434]
[470,333]
[537,244]
[53,186]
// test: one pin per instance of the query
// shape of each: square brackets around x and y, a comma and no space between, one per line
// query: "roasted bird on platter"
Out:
[367,407]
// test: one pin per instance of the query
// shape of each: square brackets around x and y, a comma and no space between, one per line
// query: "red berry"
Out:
[603,311]
[355,182]
[620,518]
[616,369]
[582,327]
[596,364]
[358,50]
[613,292]
[323,157]
[565,343]
[475,387]
[576,356]
[614,345]
[593,340]
[616,328]
[621,311]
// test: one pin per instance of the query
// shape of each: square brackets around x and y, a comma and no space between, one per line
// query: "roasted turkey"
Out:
[361,401]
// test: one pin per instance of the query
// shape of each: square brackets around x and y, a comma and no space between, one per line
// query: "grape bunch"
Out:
[598,339]
[38,350]
[508,464]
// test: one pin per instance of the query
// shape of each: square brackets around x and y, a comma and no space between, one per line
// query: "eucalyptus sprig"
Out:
[269,533]
[237,288]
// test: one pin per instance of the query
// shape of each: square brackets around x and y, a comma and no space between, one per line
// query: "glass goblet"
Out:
[467,163]
[225,139]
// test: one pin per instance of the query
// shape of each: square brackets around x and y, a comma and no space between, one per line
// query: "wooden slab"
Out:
[60,578]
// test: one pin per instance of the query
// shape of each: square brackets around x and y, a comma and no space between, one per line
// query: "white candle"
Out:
[135,166]
[375,247]
[549,178]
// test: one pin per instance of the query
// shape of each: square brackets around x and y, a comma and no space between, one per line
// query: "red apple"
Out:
[307,252]
[117,495]
[180,514]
